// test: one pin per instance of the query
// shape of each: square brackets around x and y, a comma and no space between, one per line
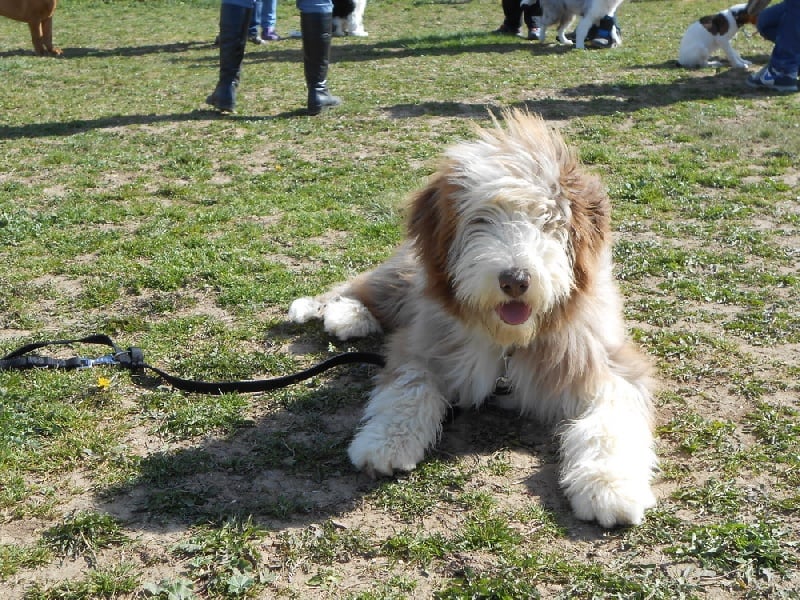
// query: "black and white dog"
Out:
[348,17]
[715,32]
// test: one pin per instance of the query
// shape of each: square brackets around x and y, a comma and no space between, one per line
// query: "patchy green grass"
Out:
[127,208]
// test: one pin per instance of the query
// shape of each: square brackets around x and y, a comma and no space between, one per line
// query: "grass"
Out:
[127,208]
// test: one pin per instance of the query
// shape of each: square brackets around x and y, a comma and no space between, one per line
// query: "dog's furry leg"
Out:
[401,421]
[561,35]
[608,456]
[584,25]
[734,58]
[342,315]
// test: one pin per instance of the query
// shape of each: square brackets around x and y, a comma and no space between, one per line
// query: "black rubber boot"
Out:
[316,29]
[234,22]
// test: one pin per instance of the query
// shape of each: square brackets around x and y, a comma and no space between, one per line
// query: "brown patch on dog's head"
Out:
[715,24]
[432,227]
[590,226]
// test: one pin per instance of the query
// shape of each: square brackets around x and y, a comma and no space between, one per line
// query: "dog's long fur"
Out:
[38,14]
[714,32]
[562,12]
[348,18]
[506,273]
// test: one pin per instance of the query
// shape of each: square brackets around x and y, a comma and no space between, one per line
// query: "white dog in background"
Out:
[505,281]
[348,18]
[714,32]
[562,12]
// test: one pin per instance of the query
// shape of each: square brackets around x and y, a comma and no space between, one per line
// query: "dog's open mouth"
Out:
[514,312]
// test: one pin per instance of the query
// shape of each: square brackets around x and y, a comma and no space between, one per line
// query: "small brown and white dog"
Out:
[715,32]
[38,14]
[562,12]
[348,18]
[506,280]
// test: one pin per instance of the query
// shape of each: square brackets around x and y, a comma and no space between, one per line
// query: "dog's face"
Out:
[510,229]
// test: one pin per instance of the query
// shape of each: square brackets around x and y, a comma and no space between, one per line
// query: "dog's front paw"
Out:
[563,39]
[380,448]
[610,501]
[304,309]
[743,64]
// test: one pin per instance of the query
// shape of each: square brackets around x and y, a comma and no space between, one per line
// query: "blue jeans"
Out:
[264,15]
[269,14]
[780,23]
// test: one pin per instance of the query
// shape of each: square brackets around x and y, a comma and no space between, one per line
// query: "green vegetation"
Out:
[127,208]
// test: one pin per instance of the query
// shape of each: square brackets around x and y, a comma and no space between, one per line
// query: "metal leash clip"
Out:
[88,363]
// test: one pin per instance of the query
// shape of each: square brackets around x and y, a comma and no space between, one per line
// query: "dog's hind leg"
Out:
[47,37]
[38,38]
[356,19]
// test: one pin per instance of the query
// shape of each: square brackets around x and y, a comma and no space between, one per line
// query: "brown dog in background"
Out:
[38,14]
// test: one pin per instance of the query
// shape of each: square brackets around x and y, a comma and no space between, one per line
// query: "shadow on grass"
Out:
[73,53]
[578,101]
[604,99]
[289,467]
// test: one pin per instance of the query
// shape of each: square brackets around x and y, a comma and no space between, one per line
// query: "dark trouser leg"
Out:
[233,24]
[316,28]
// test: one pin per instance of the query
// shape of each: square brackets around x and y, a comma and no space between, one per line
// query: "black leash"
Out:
[132,359]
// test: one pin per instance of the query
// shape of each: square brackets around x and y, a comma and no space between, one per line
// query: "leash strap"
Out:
[132,359]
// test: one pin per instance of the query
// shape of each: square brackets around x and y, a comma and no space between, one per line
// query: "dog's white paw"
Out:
[359,33]
[347,318]
[381,448]
[744,64]
[611,501]
[305,309]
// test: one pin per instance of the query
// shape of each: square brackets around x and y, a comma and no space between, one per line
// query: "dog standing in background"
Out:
[562,13]
[504,288]
[38,14]
[348,18]
[715,32]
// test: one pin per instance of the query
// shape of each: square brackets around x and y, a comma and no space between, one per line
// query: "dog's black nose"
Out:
[514,282]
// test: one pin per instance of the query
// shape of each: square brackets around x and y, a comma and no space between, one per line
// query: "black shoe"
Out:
[505,30]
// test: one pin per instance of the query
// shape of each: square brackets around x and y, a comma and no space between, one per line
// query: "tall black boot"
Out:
[316,29]
[234,22]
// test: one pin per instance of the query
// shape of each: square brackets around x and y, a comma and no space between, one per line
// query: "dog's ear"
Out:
[431,226]
[590,225]
[754,7]
[715,24]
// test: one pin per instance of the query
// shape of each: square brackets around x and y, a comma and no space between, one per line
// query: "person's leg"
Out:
[234,21]
[255,21]
[512,13]
[768,21]
[269,17]
[786,53]
[781,24]
[316,23]
[531,14]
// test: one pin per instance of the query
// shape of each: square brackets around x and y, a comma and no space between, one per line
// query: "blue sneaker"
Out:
[768,79]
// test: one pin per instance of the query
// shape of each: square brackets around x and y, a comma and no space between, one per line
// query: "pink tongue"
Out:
[514,313]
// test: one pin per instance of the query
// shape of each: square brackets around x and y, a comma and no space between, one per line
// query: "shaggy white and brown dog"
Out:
[506,278]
